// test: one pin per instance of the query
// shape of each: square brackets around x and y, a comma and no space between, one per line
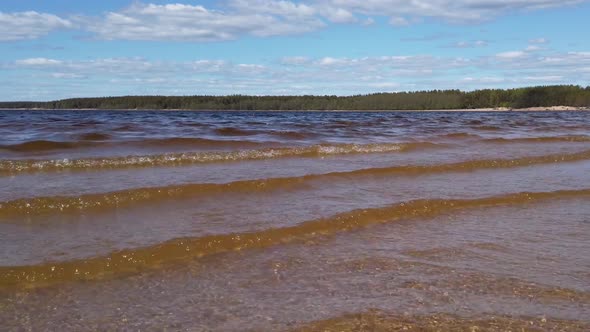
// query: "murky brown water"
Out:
[294,221]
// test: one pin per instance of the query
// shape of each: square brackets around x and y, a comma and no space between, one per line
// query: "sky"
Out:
[69,48]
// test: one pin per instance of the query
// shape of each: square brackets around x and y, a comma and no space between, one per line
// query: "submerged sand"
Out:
[274,221]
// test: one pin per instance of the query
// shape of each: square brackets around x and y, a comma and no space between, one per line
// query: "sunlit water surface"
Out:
[233,221]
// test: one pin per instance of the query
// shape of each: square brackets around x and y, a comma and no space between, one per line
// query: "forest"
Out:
[540,96]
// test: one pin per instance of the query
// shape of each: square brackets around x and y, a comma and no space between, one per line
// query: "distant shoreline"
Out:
[550,98]
[500,109]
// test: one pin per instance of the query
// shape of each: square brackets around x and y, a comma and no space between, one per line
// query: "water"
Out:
[294,220]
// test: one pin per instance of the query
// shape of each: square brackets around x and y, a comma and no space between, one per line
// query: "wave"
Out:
[183,249]
[128,127]
[487,128]
[459,135]
[39,146]
[342,124]
[502,140]
[94,136]
[382,321]
[104,140]
[232,131]
[51,204]
[193,142]
[187,158]
[287,134]
[544,139]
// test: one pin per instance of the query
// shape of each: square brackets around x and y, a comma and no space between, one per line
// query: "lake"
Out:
[265,221]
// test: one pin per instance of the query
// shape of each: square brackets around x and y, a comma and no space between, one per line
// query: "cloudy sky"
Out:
[70,48]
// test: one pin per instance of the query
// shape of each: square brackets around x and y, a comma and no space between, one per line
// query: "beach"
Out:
[487,109]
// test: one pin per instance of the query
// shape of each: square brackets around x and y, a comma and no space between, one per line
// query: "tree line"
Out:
[540,96]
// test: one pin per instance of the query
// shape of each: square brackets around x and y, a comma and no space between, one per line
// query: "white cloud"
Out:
[469,44]
[294,60]
[184,22]
[510,54]
[133,67]
[291,75]
[329,61]
[67,75]
[29,25]
[536,45]
[546,78]
[261,18]
[281,8]
[385,85]
[339,15]
[539,41]
[398,21]
[251,68]
[179,22]
[533,48]
[484,80]
[38,62]
[448,10]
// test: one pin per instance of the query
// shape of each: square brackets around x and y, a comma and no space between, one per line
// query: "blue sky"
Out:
[65,48]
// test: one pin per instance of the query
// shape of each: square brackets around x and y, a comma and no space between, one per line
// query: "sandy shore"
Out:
[498,109]
[505,109]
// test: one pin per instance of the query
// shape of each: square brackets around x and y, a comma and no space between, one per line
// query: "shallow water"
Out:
[282,220]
